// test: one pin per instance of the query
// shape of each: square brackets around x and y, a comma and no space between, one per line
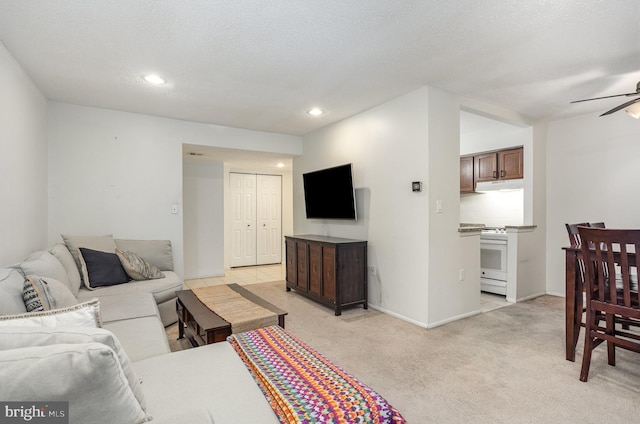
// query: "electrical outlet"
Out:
[174,208]
[373,270]
[461,274]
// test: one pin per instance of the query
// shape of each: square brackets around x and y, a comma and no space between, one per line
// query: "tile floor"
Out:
[242,276]
[266,273]
[490,301]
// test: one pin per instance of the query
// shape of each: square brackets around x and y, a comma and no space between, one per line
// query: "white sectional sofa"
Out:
[124,371]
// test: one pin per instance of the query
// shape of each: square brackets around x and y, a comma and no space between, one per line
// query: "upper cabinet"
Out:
[490,166]
[466,174]
[510,164]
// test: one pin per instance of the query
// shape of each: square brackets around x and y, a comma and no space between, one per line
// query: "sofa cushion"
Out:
[118,307]
[102,243]
[63,255]
[89,376]
[85,314]
[43,294]
[18,337]
[156,252]
[141,338]
[163,289]
[228,392]
[44,264]
[11,288]
[101,268]
[136,267]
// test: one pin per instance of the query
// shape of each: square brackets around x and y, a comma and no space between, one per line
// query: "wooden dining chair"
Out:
[611,297]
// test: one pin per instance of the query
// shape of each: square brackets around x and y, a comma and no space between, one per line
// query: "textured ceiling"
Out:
[261,64]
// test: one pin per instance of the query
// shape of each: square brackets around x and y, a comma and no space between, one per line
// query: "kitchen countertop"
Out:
[468,228]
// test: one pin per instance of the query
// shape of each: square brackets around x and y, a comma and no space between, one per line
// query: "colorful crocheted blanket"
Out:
[303,386]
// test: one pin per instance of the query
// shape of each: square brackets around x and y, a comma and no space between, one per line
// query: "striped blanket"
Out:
[303,386]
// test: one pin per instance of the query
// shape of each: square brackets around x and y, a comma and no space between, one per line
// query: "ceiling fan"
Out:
[617,108]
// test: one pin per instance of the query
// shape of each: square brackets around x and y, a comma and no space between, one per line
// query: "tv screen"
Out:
[329,193]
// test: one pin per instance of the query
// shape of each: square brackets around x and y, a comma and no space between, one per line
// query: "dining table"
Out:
[574,288]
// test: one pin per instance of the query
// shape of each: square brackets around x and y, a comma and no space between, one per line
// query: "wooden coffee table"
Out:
[203,326]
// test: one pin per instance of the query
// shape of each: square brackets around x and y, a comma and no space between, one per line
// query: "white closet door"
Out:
[243,219]
[269,222]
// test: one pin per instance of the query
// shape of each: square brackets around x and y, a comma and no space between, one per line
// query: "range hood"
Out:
[498,185]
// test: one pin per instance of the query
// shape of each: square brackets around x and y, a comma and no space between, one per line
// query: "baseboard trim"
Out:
[455,318]
[422,324]
[396,315]
[522,299]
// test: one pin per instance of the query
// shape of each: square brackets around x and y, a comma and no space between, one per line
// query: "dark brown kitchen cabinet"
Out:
[507,164]
[467,184]
[510,164]
[329,270]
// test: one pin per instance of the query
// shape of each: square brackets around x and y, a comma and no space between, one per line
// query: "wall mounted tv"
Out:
[329,193]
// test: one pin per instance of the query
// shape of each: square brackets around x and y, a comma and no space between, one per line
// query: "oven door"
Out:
[493,259]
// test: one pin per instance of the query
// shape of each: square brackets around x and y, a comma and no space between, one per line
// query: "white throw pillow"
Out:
[19,337]
[45,294]
[88,375]
[86,314]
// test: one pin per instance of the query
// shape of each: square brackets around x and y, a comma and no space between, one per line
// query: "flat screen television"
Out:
[329,193]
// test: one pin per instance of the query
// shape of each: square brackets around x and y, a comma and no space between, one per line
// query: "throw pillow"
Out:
[19,337]
[102,243]
[44,264]
[101,269]
[136,267]
[86,314]
[61,253]
[89,376]
[44,294]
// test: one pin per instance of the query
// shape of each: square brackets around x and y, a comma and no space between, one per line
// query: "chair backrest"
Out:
[613,255]
[572,231]
[597,225]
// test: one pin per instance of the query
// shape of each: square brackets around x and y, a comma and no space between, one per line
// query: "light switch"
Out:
[438,206]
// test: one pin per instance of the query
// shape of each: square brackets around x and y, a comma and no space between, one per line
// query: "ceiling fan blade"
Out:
[622,106]
[606,97]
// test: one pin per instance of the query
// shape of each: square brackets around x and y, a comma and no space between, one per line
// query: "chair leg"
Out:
[611,347]
[588,346]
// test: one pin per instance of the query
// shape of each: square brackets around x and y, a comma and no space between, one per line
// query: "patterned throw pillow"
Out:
[136,267]
[44,294]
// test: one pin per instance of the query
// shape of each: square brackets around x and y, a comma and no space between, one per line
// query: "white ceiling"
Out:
[260,64]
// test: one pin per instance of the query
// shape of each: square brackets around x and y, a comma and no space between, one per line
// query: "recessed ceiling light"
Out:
[280,165]
[153,79]
[315,111]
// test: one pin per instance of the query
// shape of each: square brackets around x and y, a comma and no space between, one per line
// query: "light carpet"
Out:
[504,366]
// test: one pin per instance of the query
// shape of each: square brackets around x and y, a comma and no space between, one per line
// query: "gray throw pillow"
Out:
[44,294]
[136,267]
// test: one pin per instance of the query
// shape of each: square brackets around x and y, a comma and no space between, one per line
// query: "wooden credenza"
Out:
[329,270]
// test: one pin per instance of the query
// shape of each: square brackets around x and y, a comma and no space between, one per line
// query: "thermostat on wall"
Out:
[416,186]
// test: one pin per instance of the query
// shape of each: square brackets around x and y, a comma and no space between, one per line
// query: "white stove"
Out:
[493,260]
[494,234]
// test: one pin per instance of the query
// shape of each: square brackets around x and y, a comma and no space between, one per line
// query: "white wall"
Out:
[388,146]
[592,175]
[493,209]
[119,173]
[203,192]
[23,163]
